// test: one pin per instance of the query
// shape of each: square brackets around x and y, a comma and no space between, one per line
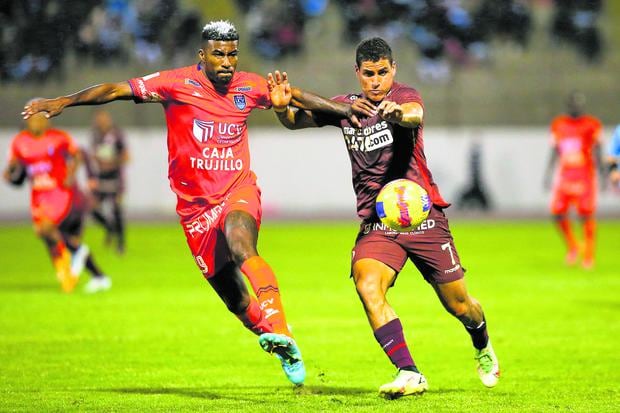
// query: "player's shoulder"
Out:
[58,135]
[172,74]
[404,93]
[247,82]
[558,120]
[347,98]
[593,120]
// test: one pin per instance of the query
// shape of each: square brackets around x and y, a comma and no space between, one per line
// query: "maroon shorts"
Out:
[203,225]
[430,247]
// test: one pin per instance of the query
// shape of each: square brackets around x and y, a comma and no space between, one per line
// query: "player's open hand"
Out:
[51,107]
[279,90]
[390,111]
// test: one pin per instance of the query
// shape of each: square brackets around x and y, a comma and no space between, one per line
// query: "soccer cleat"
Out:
[288,353]
[406,383]
[98,284]
[488,365]
[78,259]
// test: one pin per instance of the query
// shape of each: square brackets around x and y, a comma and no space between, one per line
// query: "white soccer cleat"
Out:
[78,259]
[98,284]
[406,383]
[488,365]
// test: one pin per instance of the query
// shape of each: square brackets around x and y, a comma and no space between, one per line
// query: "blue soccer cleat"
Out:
[287,351]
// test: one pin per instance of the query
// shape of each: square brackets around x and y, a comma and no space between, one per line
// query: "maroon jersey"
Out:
[381,151]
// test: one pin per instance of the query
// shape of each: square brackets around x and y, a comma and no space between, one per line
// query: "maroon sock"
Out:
[392,341]
[479,335]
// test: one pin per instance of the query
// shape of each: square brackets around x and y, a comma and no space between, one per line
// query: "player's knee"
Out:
[368,290]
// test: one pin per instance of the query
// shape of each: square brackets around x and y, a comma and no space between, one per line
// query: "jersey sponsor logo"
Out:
[221,132]
[144,92]
[426,225]
[203,130]
[192,82]
[239,101]
[204,222]
[378,140]
[243,89]
[369,138]
[217,159]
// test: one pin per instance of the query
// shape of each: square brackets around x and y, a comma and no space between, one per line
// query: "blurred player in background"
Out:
[387,145]
[576,148]
[105,162]
[218,201]
[613,159]
[48,157]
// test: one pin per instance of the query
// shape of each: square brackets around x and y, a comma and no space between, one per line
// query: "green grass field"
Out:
[161,340]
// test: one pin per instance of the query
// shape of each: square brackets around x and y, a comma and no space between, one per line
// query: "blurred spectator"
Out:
[575,23]
[276,27]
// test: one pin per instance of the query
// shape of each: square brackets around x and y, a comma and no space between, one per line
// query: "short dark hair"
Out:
[373,49]
[219,30]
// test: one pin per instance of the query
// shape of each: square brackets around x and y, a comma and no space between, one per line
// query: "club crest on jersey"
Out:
[203,130]
[239,101]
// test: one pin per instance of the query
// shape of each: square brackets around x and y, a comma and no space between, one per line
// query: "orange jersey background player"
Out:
[49,158]
[576,149]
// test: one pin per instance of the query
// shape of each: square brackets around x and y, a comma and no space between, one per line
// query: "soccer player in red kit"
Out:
[384,145]
[48,157]
[218,201]
[576,148]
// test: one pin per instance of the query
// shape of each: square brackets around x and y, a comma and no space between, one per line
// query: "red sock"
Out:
[254,319]
[567,233]
[589,231]
[265,287]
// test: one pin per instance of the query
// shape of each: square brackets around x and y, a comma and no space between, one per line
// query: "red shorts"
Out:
[581,194]
[52,205]
[203,225]
[430,247]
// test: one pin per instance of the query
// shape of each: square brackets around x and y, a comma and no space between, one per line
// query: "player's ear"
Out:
[357,68]
[202,55]
[393,67]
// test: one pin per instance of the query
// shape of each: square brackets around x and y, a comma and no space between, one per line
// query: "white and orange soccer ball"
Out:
[402,205]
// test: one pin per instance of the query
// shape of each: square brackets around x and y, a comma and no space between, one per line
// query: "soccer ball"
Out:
[402,205]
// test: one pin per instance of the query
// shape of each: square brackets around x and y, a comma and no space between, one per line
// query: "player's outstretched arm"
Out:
[94,95]
[294,106]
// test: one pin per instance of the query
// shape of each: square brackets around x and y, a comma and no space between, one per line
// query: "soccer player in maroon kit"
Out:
[105,161]
[48,157]
[218,201]
[383,146]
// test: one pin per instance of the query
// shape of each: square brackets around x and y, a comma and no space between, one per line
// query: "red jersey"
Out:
[381,151]
[208,151]
[575,139]
[45,160]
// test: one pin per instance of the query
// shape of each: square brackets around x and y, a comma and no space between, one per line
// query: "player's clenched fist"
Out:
[390,111]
